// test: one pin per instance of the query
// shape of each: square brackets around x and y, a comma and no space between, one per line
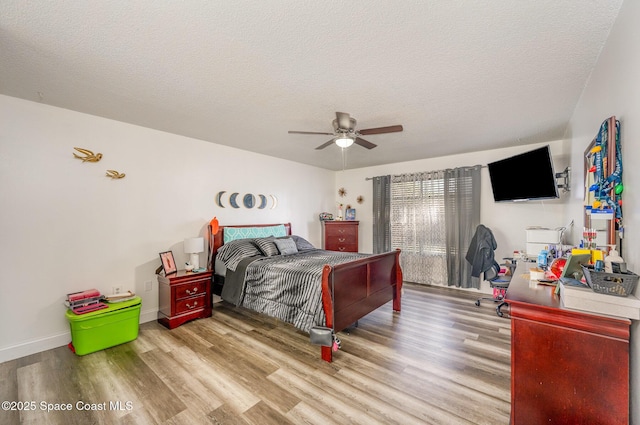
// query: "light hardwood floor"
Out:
[442,360]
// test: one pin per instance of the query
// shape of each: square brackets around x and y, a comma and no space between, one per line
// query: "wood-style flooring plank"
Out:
[442,360]
[191,392]
[9,391]
[304,413]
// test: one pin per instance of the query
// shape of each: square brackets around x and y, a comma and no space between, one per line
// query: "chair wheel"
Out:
[499,313]
[478,303]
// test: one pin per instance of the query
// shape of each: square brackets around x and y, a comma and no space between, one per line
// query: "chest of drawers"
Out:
[340,236]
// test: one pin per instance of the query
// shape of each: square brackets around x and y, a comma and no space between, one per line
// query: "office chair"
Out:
[499,284]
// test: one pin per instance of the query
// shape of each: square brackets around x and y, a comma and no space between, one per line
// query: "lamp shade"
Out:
[193,245]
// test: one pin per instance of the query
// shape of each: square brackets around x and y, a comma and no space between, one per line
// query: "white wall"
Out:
[65,226]
[614,89]
[507,221]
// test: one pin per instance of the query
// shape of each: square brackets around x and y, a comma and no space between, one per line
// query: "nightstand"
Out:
[340,236]
[184,296]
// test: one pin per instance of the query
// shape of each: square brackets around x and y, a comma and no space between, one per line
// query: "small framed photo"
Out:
[168,263]
[350,214]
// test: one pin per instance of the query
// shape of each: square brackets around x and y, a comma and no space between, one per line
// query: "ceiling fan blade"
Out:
[364,143]
[380,130]
[344,120]
[309,132]
[324,145]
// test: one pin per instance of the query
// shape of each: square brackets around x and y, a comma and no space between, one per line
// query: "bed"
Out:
[304,286]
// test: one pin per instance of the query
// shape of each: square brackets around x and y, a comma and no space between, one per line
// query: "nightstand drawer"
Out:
[190,289]
[190,304]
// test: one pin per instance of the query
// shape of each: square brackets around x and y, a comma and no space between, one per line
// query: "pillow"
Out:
[302,244]
[233,233]
[267,246]
[233,252]
[286,246]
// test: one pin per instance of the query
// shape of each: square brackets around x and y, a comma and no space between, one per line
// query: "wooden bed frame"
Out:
[351,290]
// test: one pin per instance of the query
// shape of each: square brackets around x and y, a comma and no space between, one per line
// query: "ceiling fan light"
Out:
[344,142]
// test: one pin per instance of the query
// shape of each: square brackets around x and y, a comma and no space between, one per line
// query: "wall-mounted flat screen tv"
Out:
[524,177]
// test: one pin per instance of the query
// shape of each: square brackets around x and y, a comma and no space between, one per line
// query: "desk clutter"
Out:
[578,270]
[618,284]
[587,281]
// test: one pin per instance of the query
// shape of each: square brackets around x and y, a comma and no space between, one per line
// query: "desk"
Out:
[567,366]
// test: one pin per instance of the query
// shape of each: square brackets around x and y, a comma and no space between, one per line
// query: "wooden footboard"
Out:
[352,290]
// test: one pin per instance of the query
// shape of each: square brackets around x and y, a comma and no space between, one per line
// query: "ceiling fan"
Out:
[345,133]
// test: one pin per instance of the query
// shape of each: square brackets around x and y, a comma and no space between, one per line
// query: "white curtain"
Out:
[433,215]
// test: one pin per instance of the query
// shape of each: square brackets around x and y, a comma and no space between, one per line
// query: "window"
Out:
[433,216]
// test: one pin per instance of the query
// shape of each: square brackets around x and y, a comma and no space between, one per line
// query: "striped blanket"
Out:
[288,288]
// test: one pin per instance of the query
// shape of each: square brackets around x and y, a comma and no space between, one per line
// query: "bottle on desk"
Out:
[613,257]
[543,259]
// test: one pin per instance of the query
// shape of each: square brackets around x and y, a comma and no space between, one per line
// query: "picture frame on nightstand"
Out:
[168,263]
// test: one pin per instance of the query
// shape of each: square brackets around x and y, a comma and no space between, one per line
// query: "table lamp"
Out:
[194,246]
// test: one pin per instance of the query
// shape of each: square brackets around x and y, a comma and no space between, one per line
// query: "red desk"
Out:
[567,366]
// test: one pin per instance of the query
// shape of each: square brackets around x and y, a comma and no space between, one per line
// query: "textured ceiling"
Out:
[459,75]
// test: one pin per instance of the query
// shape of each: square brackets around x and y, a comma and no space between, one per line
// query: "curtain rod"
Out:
[371,178]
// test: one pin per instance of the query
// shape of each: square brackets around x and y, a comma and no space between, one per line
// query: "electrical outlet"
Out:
[148,285]
[116,290]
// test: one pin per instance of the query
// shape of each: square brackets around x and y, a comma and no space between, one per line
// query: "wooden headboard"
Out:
[217,240]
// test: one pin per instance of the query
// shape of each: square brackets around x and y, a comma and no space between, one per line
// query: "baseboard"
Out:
[34,346]
[54,341]
[484,288]
[148,315]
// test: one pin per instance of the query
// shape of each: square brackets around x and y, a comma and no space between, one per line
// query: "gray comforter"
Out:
[285,287]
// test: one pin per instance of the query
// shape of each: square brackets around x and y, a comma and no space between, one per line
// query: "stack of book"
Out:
[85,301]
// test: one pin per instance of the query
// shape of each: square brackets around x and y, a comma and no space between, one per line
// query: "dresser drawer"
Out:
[343,247]
[341,239]
[190,304]
[341,231]
[190,289]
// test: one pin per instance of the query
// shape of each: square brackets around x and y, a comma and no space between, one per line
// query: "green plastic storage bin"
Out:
[95,331]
